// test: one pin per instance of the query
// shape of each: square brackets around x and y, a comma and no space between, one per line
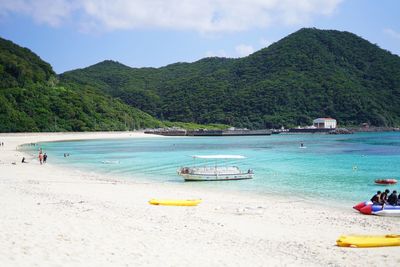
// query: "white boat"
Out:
[215,172]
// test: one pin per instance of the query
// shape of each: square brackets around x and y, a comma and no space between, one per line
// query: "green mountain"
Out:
[310,73]
[32,100]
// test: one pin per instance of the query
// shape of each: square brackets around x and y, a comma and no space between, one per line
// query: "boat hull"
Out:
[386,181]
[199,178]
[214,172]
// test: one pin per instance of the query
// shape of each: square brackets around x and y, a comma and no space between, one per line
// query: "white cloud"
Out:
[392,33]
[240,50]
[243,50]
[52,12]
[202,16]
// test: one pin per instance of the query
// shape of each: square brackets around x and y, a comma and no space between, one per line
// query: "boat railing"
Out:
[211,170]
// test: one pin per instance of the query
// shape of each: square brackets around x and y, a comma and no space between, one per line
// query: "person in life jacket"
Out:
[384,196]
[376,199]
[392,199]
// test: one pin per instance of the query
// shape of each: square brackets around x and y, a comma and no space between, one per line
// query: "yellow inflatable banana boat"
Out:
[175,202]
[366,241]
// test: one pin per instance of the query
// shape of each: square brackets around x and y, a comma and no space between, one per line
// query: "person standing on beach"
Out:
[44,158]
[40,157]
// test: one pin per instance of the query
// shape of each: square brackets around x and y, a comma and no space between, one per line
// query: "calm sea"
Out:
[332,167]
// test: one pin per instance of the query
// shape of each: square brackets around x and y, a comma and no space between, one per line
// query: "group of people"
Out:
[1,143]
[42,157]
[382,198]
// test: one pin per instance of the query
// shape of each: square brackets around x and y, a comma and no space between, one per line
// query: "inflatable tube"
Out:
[367,241]
[366,209]
[361,205]
[386,210]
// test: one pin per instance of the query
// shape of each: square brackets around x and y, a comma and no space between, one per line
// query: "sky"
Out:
[71,34]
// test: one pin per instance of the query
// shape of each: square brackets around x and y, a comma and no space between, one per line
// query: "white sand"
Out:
[50,216]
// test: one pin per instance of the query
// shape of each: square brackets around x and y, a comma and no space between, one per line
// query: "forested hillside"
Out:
[310,73]
[32,100]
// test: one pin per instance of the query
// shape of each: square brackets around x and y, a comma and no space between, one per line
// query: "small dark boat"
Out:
[385,181]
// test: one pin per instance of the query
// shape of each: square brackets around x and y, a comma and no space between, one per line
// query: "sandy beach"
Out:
[55,216]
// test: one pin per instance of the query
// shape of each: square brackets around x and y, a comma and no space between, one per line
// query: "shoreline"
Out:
[307,198]
[59,216]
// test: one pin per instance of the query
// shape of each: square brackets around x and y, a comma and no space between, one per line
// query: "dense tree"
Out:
[31,100]
[310,73]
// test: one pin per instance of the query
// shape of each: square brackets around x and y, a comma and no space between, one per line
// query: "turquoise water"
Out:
[332,167]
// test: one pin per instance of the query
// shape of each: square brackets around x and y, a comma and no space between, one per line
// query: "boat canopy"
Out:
[218,157]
